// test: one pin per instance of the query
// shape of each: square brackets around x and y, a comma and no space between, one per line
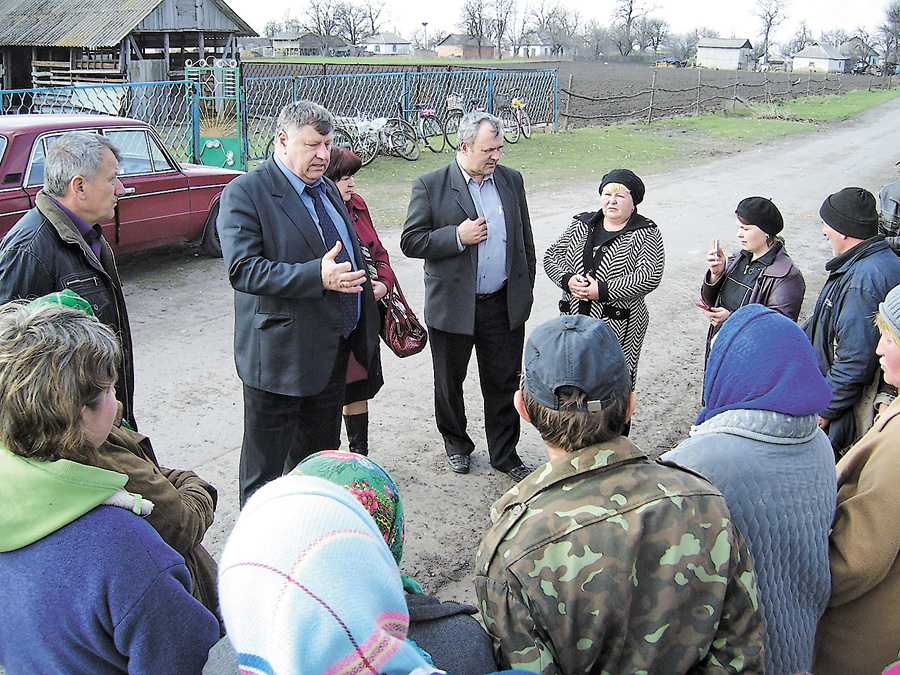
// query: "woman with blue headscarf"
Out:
[758,442]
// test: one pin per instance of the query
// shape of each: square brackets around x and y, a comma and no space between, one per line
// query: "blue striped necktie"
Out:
[349,302]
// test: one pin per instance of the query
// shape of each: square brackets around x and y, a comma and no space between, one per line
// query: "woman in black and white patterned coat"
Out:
[607,261]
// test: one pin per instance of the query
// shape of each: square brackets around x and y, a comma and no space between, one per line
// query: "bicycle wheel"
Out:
[401,139]
[510,124]
[525,123]
[341,138]
[451,126]
[367,148]
[432,133]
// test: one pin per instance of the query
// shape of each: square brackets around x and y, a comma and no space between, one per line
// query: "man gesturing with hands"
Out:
[469,221]
[302,298]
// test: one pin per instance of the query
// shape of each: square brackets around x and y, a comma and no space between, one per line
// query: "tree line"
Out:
[633,31]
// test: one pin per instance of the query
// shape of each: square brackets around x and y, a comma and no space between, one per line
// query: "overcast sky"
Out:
[731,18]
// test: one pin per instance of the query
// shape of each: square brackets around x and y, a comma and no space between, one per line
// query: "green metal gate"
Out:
[216,115]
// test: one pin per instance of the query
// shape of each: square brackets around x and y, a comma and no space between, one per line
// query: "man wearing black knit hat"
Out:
[860,275]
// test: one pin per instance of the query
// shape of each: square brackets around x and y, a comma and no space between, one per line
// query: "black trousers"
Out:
[279,430]
[498,351]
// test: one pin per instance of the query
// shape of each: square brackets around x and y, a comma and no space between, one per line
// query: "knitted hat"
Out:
[761,212]
[761,360]
[890,309]
[308,587]
[627,178]
[578,351]
[851,212]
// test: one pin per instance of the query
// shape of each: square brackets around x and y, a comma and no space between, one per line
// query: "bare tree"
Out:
[684,45]
[502,18]
[626,13]
[835,37]
[651,32]
[320,21]
[373,10]
[351,22]
[802,38]
[771,14]
[596,39]
[272,28]
[563,29]
[889,33]
[475,22]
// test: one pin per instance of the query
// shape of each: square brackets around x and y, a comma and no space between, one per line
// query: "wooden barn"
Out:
[70,42]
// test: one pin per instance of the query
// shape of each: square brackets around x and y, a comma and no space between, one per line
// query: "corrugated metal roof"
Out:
[83,23]
[724,43]
[820,51]
[70,23]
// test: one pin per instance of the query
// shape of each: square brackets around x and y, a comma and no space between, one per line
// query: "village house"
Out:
[73,42]
[385,43]
[819,58]
[464,47]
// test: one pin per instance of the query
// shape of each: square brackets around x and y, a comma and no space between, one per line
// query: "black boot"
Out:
[357,427]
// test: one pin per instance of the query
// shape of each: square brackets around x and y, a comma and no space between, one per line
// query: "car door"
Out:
[156,206]
[14,200]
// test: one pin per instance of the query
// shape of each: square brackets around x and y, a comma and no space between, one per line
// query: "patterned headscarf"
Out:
[369,483]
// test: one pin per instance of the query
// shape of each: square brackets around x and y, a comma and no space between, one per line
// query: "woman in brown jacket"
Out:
[760,272]
[860,631]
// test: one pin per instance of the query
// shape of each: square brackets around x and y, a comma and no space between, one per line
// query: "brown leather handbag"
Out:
[400,329]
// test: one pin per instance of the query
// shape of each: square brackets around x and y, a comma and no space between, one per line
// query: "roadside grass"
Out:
[586,154]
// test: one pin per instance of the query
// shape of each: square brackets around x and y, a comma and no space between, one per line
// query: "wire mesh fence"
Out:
[166,106]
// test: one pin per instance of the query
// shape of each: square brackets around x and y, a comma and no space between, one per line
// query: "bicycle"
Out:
[428,127]
[507,115]
[456,108]
[522,115]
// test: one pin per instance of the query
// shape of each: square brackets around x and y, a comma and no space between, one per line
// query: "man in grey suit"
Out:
[469,221]
[302,298]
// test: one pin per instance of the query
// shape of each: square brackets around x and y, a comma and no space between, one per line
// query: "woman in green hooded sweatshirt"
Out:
[88,585]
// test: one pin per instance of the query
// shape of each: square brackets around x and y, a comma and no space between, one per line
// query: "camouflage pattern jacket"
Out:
[609,562]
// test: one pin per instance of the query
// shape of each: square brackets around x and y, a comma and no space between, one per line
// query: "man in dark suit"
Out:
[301,303]
[469,221]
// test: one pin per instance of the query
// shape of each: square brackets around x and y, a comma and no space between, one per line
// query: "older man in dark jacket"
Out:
[58,244]
[860,275]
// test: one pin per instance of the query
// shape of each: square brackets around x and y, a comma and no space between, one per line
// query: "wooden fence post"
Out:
[565,124]
[734,96]
[699,75]
[652,91]
[808,79]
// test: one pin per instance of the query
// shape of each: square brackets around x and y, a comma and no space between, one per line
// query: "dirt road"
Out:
[188,396]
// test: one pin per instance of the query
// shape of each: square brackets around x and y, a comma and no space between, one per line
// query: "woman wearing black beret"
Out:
[759,272]
[606,261]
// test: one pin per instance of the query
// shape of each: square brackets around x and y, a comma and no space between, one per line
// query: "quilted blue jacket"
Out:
[777,474]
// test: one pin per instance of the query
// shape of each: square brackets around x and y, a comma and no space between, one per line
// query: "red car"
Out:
[165,201]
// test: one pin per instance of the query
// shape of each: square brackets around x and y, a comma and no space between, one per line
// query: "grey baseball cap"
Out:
[576,351]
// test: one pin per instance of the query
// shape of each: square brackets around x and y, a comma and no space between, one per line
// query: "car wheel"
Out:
[210,243]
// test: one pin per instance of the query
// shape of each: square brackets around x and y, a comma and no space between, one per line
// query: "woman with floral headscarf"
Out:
[446,631]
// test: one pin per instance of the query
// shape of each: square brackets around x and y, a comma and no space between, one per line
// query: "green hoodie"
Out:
[38,497]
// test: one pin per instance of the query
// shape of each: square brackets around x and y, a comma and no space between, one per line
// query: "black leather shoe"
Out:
[518,473]
[459,463]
